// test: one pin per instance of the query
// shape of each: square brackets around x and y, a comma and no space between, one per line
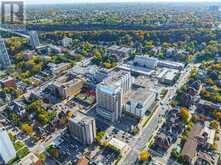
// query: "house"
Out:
[186,100]
[169,131]
[207,137]
[163,141]
[204,159]
[18,106]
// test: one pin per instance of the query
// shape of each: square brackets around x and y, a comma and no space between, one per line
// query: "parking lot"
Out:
[106,156]
[70,148]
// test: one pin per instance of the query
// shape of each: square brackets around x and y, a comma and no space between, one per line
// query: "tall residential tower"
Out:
[109,95]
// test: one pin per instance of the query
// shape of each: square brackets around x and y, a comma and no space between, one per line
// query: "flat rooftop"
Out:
[79,117]
[141,90]
[113,78]
[67,80]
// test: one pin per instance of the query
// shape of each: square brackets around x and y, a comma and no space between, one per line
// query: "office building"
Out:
[66,41]
[34,40]
[168,76]
[109,95]
[171,64]
[58,69]
[119,52]
[68,85]
[146,61]
[83,128]
[5,61]
[7,150]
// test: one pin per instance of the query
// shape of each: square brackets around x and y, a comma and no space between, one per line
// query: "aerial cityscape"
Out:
[117,83]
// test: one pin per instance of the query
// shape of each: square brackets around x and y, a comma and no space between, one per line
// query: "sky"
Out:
[103,1]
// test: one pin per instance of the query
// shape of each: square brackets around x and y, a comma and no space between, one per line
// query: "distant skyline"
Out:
[106,1]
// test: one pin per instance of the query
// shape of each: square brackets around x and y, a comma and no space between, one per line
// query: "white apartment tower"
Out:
[109,95]
[83,128]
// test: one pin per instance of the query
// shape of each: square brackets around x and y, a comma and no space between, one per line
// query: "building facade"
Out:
[34,40]
[109,95]
[5,61]
[146,61]
[83,128]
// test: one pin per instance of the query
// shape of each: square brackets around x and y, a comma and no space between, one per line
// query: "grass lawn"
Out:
[18,145]
[23,152]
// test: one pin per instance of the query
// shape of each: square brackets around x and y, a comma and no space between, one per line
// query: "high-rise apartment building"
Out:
[109,95]
[34,40]
[83,128]
[5,61]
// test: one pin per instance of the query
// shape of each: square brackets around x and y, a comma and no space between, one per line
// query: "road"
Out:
[155,120]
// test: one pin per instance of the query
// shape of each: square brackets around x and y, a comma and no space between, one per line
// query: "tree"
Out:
[42,157]
[55,152]
[218,116]
[214,124]
[27,128]
[144,155]
[184,114]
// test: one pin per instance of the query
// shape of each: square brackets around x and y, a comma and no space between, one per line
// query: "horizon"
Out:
[36,2]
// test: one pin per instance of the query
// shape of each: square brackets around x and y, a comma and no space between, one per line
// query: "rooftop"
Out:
[113,80]
[7,150]
[79,117]
[67,80]
[29,159]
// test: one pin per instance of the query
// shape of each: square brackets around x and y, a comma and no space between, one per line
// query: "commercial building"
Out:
[168,76]
[66,41]
[34,40]
[140,98]
[8,82]
[146,61]
[67,86]
[83,128]
[58,69]
[5,61]
[7,150]
[120,145]
[30,159]
[171,64]
[109,95]
[119,52]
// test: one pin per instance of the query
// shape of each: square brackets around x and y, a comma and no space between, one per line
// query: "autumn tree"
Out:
[144,155]
[184,114]
[27,128]
[214,124]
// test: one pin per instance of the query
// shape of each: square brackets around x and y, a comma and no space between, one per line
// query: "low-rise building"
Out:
[119,52]
[140,98]
[168,76]
[8,82]
[30,159]
[68,85]
[171,64]
[146,61]
[66,41]
[58,69]
[82,127]
[120,145]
